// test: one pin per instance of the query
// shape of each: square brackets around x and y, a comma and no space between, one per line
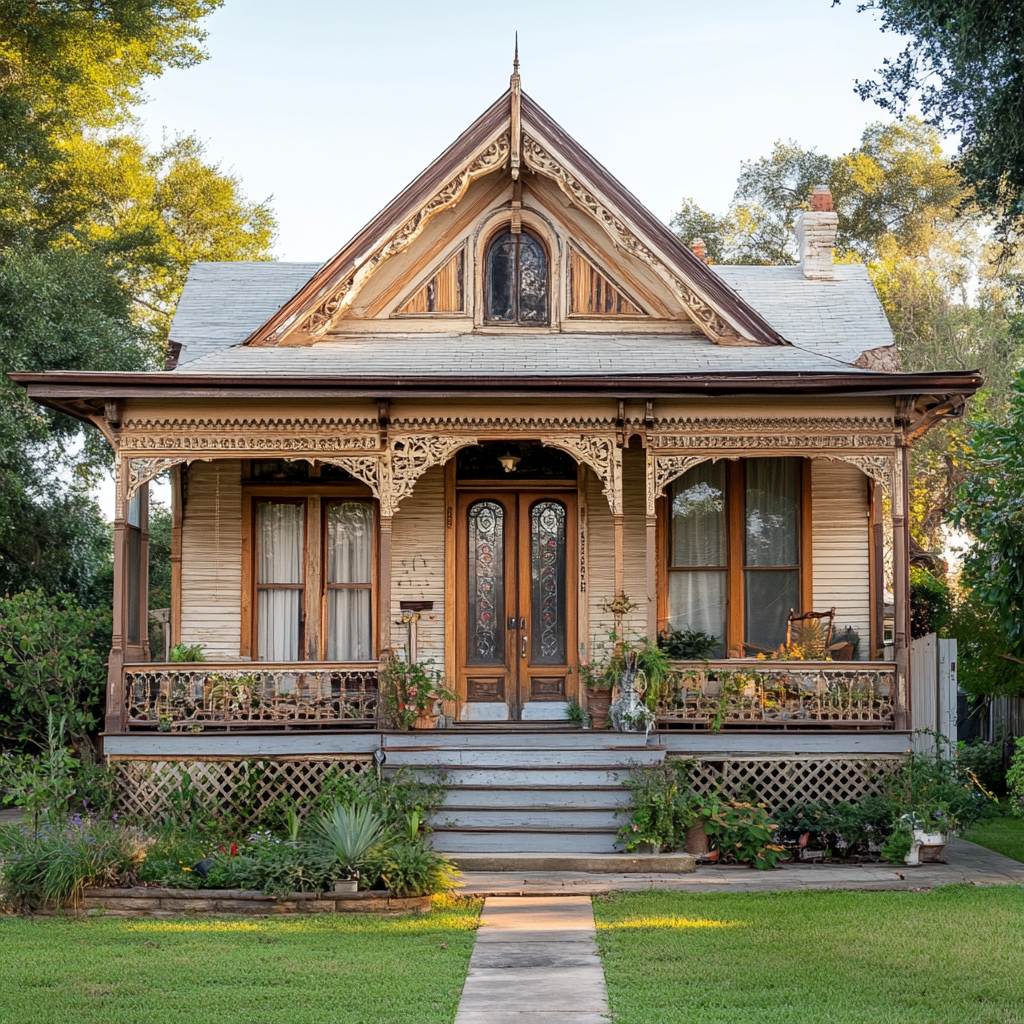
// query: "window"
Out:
[734,543]
[516,285]
[314,580]
[133,551]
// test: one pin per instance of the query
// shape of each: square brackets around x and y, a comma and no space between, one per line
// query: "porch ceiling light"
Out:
[509,462]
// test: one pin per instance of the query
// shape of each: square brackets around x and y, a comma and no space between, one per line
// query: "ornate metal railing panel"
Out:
[200,696]
[740,694]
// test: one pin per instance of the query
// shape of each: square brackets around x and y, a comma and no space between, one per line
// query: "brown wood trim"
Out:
[176,516]
[876,545]
[735,491]
[248,604]
[662,508]
[450,707]
[313,577]
[582,569]
[271,492]
[806,528]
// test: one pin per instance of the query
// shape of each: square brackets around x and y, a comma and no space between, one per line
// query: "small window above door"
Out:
[516,282]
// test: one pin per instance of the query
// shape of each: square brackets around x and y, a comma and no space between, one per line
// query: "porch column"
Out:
[651,547]
[384,584]
[114,718]
[901,583]
[177,511]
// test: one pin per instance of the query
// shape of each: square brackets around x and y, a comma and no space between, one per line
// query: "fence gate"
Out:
[933,688]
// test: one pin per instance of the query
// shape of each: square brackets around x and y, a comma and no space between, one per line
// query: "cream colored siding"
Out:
[211,558]
[840,546]
[600,565]
[634,539]
[417,564]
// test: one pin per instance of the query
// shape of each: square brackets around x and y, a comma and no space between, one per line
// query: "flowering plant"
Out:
[412,690]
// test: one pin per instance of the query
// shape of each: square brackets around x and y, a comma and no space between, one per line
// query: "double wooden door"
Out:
[516,601]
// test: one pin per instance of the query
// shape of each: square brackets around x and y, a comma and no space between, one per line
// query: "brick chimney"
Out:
[816,235]
[700,249]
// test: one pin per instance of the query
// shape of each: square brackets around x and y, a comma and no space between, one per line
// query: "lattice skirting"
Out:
[785,781]
[241,788]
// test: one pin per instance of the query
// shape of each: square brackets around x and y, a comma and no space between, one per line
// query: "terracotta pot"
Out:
[598,703]
[697,840]
[425,722]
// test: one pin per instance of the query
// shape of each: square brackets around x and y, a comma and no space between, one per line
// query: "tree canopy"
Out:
[964,65]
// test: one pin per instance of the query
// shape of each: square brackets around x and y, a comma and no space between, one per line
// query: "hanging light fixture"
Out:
[509,462]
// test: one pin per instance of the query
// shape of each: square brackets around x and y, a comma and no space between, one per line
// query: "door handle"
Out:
[522,623]
[525,638]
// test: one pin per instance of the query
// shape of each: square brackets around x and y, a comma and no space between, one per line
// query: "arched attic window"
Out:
[516,283]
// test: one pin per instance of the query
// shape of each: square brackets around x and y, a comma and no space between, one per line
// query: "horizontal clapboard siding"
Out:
[417,564]
[840,546]
[600,565]
[211,558]
[634,539]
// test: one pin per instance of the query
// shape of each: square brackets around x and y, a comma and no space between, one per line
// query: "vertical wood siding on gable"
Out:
[840,545]
[211,558]
[417,564]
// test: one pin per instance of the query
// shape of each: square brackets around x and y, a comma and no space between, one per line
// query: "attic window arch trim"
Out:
[502,232]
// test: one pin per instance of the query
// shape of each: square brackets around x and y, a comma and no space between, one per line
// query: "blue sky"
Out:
[332,107]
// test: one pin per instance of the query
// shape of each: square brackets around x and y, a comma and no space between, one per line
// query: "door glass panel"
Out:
[486,584]
[547,579]
[349,561]
[279,546]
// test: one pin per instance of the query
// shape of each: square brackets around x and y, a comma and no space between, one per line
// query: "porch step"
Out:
[596,863]
[551,793]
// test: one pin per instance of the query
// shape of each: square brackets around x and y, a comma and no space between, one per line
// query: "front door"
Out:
[516,620]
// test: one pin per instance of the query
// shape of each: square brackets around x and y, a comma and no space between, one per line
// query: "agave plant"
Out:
[351,832]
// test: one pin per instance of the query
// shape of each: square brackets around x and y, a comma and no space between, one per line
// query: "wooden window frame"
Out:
[488,320]
[312,639]
[735,498]
[301,587]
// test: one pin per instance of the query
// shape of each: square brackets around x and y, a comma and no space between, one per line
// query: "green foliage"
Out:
[57,861]
[897,846]
[349,832]
[962,66]
[577,714]
[984,762]
[841,829]
[605,669]
[930,603]
[1015,779]
[410,868]
[662,806]
[687,644]
[274,868]
[982,665]
[742,832]
[394,796]
[989,505]
[52,656]
[185,653]
[411,690]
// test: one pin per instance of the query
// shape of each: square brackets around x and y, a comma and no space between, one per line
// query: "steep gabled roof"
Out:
[545,148]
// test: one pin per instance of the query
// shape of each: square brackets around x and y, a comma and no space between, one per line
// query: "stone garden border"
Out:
[160,902]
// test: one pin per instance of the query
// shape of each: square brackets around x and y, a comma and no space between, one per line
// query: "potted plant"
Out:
[350,832]
[662,808]
[639,670]
[413,692]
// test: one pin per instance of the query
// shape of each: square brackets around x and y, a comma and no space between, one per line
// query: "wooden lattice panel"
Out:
[785,781]
[156,789]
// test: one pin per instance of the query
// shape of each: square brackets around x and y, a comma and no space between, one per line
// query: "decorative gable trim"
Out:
[593,291]
[443,293]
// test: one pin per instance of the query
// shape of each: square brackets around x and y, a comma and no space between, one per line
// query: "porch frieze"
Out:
[602,454]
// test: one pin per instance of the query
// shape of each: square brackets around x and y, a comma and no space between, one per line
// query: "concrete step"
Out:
[512,738]
[553,819]
[599,863]
[607,797]
[499,757]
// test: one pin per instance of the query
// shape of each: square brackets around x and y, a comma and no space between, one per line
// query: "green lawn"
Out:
[951,956]
[323,969]
[1004,835]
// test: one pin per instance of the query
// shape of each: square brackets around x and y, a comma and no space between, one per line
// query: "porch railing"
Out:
[805,694]
[202,696]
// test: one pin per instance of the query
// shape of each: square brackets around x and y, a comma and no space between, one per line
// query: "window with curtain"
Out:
[133,552]
[280,550]
[698,563]
[349,579]
[756,563]
[516,283]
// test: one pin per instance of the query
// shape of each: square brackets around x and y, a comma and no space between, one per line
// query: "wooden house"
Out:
[514,414]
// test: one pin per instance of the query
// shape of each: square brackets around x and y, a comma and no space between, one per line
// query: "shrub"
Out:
[843,829]
[394,796]
[409,868]
[662,806]
[349,833]
[687,644]
[56,862]
[742,832]
[273,867]
[930,604]
[985,762]
[1015,779]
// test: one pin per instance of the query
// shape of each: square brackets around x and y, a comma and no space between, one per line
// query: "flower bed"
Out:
[159,902]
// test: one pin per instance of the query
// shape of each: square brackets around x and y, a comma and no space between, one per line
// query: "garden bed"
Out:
[143,901]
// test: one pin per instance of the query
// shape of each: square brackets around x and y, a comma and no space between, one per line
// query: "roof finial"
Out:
[515,125]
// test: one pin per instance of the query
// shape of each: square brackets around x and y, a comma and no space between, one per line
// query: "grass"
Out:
[322,969]
[954,955]
[1004,835]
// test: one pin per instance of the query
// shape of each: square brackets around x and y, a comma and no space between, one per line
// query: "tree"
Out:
[963,65]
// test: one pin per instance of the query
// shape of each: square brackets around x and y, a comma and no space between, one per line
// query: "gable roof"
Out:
[485,147]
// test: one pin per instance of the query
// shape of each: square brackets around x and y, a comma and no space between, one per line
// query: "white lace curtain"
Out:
[349,579]
[279,551]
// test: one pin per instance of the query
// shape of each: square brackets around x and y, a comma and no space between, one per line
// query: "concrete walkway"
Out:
[535,962]
[965,862]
